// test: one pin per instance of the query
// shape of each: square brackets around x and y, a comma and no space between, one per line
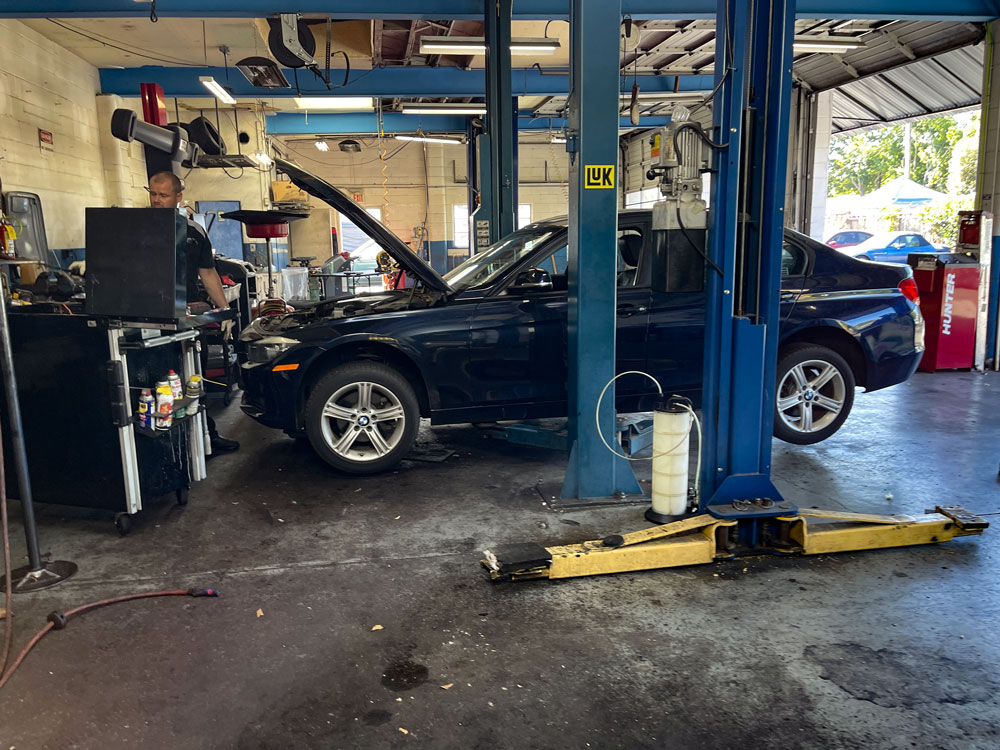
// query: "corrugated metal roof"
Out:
[905,69]
[890,46]
[945,82]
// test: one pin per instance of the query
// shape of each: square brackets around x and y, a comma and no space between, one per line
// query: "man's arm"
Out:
[213,285]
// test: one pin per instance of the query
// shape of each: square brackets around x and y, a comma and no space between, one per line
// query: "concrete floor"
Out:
[888,649]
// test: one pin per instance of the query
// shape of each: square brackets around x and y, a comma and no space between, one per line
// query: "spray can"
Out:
[164,407]
[147,407]
[176,384]
[193,393]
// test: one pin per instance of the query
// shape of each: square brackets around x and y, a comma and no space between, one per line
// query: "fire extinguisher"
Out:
[7,237]
[7,233]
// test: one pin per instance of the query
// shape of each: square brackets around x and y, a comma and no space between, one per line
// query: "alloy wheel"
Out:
[811,395]
[363,421]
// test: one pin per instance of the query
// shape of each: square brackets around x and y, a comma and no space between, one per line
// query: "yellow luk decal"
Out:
[599,176]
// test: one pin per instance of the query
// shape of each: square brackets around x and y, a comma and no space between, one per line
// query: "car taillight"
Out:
[909,289]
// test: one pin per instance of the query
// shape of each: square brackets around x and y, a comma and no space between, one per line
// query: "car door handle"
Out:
[627,311]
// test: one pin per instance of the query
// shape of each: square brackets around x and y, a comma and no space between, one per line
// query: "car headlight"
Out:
[268,348]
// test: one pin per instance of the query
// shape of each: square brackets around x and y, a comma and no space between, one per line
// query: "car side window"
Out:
[915,240]
[793,260]
[630,241]
[898,242]
[556,262]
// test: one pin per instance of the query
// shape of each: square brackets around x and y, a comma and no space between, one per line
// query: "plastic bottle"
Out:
[164,407]
[147,407]
[176,384]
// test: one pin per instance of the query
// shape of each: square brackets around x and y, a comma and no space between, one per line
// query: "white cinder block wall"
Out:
[43,86]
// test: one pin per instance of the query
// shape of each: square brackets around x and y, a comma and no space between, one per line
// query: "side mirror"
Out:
[532,280]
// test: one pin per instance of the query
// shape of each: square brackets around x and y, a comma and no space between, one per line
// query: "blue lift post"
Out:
[754,45]
[592,143]
[499,143]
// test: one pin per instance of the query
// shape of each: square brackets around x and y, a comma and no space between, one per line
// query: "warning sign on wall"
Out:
[599,176]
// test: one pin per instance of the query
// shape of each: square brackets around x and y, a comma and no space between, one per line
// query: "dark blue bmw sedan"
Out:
[487,341]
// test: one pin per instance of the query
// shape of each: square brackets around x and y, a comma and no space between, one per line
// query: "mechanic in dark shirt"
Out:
[167,191]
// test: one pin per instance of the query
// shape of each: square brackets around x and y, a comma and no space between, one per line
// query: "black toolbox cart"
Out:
[79,379]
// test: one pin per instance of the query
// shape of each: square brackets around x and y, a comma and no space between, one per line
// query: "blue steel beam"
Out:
[592,142]
[409,81]
[299,123]
[472,10]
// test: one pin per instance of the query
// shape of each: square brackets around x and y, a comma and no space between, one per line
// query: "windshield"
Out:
[485,267]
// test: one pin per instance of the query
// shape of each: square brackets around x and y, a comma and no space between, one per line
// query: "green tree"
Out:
[932,142]
[863,162]
[940,220]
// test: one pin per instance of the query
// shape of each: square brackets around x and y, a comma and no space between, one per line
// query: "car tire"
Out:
[362,417]
[814,394]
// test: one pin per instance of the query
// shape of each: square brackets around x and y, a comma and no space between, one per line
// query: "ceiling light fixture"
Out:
[428,138]
[442,108]
[263,73]
[828,44]
[322,145]
[220,93]
[669,96]
[476,45]
[356,103]
[261,159]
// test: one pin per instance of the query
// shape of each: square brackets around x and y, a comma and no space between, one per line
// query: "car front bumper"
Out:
[270,397]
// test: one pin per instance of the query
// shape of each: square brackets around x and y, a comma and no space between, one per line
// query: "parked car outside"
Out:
[892,247]
[488,340]
[848,238]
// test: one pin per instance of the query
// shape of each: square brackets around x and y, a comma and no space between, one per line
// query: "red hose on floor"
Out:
[59,620]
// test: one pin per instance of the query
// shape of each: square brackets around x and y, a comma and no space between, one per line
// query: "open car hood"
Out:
[409,261]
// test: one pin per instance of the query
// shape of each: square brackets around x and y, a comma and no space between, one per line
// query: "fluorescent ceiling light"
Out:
[322,145]
[220,93]
[428,138]
[439,108]
[670,96]
[826,44]
[335,102]
[261,159]
[476,45]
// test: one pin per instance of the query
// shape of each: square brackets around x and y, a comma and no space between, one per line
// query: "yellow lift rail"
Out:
[705,539]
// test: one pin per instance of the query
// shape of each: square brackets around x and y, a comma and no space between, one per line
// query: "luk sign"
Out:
[600,176]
